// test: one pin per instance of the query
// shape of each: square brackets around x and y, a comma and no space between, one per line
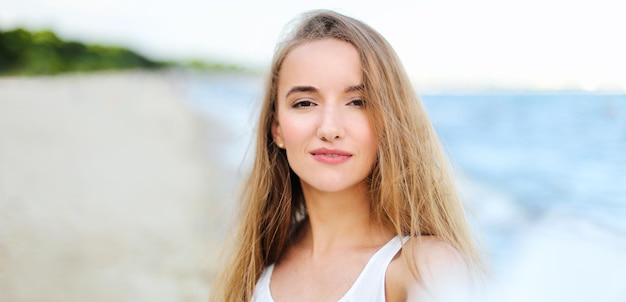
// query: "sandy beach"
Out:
[107,192]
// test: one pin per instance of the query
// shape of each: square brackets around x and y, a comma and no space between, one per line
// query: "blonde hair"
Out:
[411,185]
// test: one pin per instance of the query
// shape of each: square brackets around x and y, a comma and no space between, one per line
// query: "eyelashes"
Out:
[303,104]
[308,103]
[358,103]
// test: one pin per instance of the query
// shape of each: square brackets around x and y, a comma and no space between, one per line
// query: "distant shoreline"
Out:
[24,52]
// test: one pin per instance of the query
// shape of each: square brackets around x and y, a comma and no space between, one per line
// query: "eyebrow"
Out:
[355,88]
[301,89]
[314,90]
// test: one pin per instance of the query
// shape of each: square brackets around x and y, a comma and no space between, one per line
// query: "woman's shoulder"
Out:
[439,266]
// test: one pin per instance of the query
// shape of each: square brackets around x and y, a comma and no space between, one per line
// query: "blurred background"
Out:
[125,125]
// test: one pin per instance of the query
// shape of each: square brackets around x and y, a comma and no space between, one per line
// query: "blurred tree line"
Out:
[43,53]
[30,53]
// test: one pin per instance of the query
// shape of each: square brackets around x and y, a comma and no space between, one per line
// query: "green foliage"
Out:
[213,66]
[33,53]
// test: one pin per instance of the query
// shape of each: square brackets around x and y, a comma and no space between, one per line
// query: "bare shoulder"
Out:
[434,254]
[439,267]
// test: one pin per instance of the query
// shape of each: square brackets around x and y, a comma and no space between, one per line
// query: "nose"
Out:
[331,125]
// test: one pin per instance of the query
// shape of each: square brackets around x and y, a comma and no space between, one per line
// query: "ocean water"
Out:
[543,176]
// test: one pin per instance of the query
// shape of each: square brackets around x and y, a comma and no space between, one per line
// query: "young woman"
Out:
[350,197]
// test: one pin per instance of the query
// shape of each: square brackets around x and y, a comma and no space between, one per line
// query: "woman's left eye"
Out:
[358,103]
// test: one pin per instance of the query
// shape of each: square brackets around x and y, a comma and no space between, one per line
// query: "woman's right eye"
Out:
[304,103]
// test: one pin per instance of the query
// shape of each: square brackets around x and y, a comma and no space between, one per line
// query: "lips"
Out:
[331,156]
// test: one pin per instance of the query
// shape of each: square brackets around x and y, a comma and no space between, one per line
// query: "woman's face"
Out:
[321,122]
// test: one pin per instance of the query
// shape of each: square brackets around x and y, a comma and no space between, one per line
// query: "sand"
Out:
[106,190]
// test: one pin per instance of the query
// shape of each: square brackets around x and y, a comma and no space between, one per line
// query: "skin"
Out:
[320,105]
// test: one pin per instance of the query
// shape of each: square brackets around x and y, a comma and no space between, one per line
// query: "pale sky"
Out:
[539,44]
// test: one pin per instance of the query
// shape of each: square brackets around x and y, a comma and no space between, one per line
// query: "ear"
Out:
[277,133]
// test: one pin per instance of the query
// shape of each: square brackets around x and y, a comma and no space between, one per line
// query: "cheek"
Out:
[367,135]
[294,130]
[372,146]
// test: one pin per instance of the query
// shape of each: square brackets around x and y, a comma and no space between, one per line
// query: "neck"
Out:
[341,220]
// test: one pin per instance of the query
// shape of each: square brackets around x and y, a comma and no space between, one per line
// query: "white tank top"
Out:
[369,286]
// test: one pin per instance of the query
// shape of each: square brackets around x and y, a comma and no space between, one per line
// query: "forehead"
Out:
[324,64]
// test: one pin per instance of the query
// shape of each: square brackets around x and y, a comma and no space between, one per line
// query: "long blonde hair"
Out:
[412,187]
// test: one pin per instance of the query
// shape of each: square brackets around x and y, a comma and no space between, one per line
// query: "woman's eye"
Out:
[302,104]
[358,103]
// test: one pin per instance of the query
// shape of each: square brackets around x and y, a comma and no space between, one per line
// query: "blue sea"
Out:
[543,176]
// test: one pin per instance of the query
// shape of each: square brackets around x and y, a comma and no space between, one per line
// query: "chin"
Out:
[332,186]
